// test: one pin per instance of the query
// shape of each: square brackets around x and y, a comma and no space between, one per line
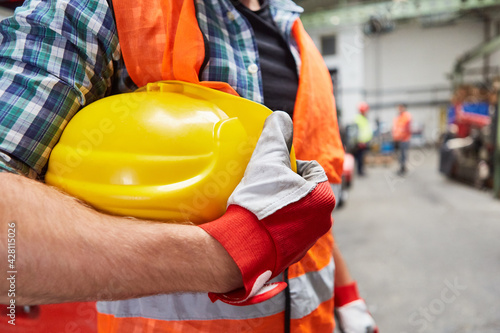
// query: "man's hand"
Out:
[351,312]
[274,215]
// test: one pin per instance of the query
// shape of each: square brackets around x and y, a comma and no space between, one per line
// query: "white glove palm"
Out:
[355,318]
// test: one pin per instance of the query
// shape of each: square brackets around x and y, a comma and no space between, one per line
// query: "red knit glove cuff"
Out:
[251,247]
[264,248]
[346,294]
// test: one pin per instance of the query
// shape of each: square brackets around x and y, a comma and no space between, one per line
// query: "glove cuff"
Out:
[346,294]
[251,247]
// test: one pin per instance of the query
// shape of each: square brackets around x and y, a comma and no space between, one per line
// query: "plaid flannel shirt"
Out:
[57,56]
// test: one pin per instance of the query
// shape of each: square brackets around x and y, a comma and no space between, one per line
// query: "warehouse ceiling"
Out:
[323,14]
[317,5]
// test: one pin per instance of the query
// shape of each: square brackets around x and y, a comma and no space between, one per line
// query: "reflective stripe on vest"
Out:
[311,288]
[310,293]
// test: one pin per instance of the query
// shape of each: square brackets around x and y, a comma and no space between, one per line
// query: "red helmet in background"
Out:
[363,107]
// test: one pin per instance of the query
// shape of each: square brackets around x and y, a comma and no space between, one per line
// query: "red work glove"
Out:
[351,311]
[274,215]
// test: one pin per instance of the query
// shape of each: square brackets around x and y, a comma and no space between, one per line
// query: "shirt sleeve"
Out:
[9,164]
[55,57]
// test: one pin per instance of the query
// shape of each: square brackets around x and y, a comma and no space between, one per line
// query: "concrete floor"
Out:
[425,250]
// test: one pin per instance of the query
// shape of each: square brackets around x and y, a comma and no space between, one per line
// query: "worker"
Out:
[258,50]
[401,134]
[365,135]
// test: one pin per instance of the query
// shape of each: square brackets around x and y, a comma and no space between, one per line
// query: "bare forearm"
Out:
[69,252]
[342,275]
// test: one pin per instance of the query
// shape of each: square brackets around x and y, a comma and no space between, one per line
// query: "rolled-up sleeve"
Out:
[55,57]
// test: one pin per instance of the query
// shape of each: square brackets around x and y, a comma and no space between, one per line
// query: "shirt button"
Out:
[230,16]
[253,68]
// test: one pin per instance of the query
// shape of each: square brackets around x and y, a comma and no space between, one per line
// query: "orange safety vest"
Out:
[401,127]
[161,40]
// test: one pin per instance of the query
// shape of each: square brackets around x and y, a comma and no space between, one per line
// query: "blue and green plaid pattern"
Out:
[57,56]
[232,45]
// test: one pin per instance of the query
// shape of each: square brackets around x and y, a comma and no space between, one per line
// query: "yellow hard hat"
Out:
[170,151]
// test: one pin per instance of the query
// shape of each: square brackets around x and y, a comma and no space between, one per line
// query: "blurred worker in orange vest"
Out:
[401,133]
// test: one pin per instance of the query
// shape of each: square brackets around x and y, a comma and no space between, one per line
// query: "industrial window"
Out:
[328,45]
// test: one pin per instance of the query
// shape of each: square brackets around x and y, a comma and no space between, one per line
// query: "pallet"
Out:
[379,160]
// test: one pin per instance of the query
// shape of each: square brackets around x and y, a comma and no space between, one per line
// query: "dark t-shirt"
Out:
[277,65]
